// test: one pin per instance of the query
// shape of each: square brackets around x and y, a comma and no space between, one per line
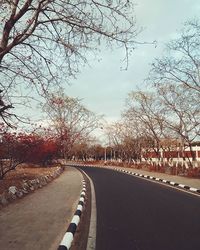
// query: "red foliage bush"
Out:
[30,148]
[193,172]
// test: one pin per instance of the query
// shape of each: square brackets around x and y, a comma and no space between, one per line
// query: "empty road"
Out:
[135,214]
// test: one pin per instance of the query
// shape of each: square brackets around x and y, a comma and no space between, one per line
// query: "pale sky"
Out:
[103,86]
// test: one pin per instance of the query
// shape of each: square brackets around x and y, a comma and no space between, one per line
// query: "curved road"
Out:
[135,214]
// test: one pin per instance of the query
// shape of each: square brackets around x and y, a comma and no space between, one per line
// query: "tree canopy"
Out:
[44,42]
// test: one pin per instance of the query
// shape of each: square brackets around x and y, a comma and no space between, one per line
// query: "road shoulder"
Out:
[39,220]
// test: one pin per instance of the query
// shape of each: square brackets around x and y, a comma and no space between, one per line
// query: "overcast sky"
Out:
[103,86]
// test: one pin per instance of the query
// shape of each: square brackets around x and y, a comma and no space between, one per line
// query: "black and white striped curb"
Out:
[161,180]
[69,235]
[175,184]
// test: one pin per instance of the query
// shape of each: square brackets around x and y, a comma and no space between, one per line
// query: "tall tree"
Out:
[182,113]
[44,42]
[71,120]
[181,62]
[176,77]
[144,108]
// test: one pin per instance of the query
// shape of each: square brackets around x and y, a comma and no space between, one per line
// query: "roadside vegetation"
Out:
[44,43]
[160,127]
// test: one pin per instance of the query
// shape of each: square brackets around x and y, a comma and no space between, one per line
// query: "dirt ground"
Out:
[23,172]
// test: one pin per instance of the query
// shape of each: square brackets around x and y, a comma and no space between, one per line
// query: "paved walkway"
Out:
[192,182]
[39,220]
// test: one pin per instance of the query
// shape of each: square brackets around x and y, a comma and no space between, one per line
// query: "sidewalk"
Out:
[192,182]
[39,221]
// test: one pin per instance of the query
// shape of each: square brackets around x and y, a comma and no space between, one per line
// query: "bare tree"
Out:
[170,113]
[5,108]
[124,142]
[169,116]
[71,120]
[44,42]
[144,108]
[83,148]
[182,113]
[181,63]
[143,141]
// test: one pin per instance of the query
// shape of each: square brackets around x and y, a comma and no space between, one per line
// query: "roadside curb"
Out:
[188,188]
[27,186]
[170,183]
[91,243]
[69,235]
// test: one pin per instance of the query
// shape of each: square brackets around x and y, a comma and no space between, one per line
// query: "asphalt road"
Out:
[135,214]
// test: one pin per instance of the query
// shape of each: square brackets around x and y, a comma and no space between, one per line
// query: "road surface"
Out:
[136,214]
